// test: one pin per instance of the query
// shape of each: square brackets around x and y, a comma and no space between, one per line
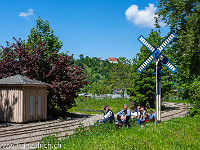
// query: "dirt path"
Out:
[174,110]
[17,136]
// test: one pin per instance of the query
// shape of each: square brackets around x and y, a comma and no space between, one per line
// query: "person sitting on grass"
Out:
[141,119]
[128,113]
[123,118]
[108,115]
[134,115]
[152,116]
[138,112]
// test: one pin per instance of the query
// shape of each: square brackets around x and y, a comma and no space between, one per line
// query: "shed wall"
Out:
[11,104]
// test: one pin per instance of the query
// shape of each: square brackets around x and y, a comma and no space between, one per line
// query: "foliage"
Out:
[173,99]
[38,60]
[97,72]
[120,75]
[180,133]
[143,84]
[43,33]
[183,17]
[99,88]
[194,92]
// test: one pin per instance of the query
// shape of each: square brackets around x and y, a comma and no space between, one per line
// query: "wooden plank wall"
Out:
[11,103]
[35,92]
[15,103]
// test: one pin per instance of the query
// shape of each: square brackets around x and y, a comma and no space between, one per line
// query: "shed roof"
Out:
[19,79]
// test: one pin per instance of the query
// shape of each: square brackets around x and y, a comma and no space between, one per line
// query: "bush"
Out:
[194,93]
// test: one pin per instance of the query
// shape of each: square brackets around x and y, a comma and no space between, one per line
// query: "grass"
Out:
[115,104]
[97,104]
[179,133]
[175,100]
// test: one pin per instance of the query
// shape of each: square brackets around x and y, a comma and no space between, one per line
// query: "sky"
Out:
[94,28]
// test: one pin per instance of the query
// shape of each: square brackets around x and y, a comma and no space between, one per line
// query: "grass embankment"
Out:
[179,133]
[97,104]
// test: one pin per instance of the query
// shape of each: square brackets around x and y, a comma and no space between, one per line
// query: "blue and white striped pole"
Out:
[158,91]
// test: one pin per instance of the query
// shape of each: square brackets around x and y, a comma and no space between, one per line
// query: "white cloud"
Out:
[23,14]
[141,18]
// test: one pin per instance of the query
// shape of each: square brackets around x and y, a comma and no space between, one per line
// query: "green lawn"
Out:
[97,104]
[179,133]
[115,104]
[176,101]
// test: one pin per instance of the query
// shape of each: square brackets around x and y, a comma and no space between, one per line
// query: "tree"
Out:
[99,88]
[183,17]
[120,75]
[43,33]
[96,71]
[143,85]
[37,61]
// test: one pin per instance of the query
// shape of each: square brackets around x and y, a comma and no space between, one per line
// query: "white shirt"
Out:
[133,114]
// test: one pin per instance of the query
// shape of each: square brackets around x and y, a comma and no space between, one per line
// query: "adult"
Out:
[127,117]
[108,115]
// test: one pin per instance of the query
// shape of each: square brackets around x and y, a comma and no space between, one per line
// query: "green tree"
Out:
[96,71]
[43,33]
[120,75]
[99,88]
[194,93]
[183,17]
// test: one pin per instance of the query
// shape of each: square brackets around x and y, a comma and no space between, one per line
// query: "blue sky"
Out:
[94,28]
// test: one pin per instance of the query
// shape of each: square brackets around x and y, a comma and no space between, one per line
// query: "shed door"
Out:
[39,104]
[33,105]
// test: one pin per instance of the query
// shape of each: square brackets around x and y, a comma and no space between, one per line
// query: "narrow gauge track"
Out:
[27,130]
[34,133]
[28,125]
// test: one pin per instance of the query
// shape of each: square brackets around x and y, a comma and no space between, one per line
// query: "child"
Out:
[152,116]
[138,112]
[123,118]
[133,115]
[142,115]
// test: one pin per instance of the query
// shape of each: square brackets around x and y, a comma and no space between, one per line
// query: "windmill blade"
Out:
[146,62]
[166,42]
[146,43]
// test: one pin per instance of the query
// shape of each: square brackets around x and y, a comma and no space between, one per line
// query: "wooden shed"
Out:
[22,99]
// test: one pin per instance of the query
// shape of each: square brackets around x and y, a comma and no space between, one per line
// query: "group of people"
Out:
[139,115]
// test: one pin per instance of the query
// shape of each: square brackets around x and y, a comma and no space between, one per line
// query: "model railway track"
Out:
[34,133]
[28,130]
[22,126]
